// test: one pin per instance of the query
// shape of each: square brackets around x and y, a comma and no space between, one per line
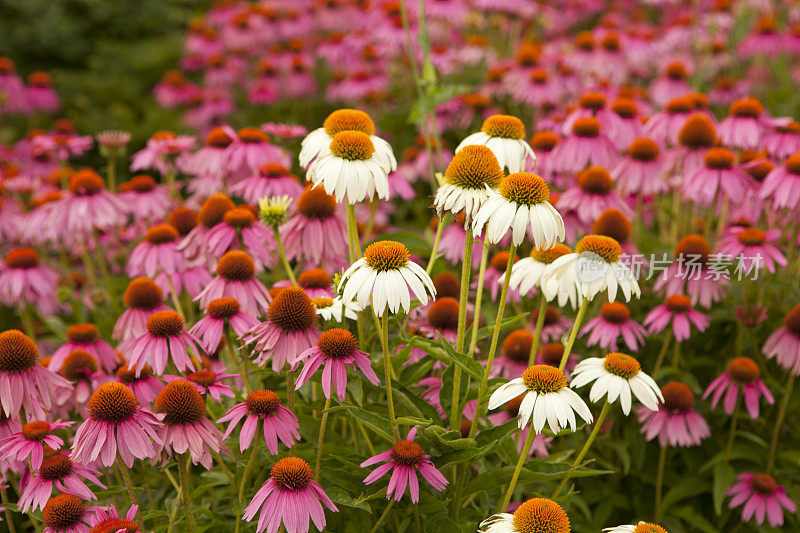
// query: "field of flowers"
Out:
[441,266]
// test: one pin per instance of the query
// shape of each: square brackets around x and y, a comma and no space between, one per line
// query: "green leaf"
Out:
[341,497]
[378,424]
[722,480]
[507,322]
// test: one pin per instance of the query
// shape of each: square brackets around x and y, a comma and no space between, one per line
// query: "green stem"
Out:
[176,298]
[290,390]
[126,477]
[574,333]
[522,458]
[9,516]
[435,249]
[501,308]
[384,514]
[284,261]
[106,273]
[237,360]
[111,173]
[538,332]
[662,461]
[676,354]
[87,265]
[321,439]
[27,321]
[776,431]
[473,341]
[661,354]
[732,434]
[243,483]
[578,458]
[352,232]
[383,328]
[183,472]
[455,408]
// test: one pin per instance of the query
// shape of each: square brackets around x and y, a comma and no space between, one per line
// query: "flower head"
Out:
[537,515]
[264,406]
[473,171]
[617,376]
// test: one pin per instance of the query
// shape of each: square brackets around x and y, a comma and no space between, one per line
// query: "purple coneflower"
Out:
[236,278]
[782,184]
[239,227]
[290,328]
[85,337]
[24,280]
[106,519]
[405,460]
[142,298]
[291,497]
[208,381]
[272,179]
[28,444]
[265,406]
[762,498]
[65,513]
[784,343]
[744,126]
[165,338]
[691,273]
[675,423]
[220,313]
[639,172]
[57,470]
[116,425]
[336,349]
[185,427]
[316,282]
[678,309]
[585,146]
[593,195]
[742,373]
[147,200]
[316,234]
[145,386]
[157,257]
[753,249]
[614,322]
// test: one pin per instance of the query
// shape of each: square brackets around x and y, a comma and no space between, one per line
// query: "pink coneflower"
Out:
[514,354]
[24,280]
[27,445]
[664,126]
[185,427]
[495,272]
[629,124]
[272,179]
[639,172]
[165,339]
[762,498]
[210,159]
[782,184]
[678,309]
[252,149]
[784,343]
[782,139]
[336,349]
[157,257]
[15,99]
[147,200]
[106,519]
[555,324]
[193,245]
[236,279]
[87,207]
[113,141]
[142,298]
[265,406]
[161,151]
[85,337]
[24,383]
[586,145]
[453,241]
[742,373]
[719,177]
[285,131]
[58,471]
[405,460]
[614,322]
[145,386]
[541,442]
[671,84]
[289,330]
[61,146]
[316,234]
[220,313]
[240,228]
[743,127]
[207,381]
[675,423]
[316,282]
[593,195]
[40,92]
[691,274]
[753,249]
[695,137]
[83,371]
[538,89]
[65,513]
[116,425]
[543,142]
[594,104]
[765,39]
[289,497]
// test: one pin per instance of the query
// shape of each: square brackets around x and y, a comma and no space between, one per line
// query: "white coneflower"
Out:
[537,515]
[467,180]
[505,136]
[317,143]
[335,309]
[386,278]
[350,168]
[641,527]
[547,399]
[521,202]
[527,272]
[593,267]
[617,376]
